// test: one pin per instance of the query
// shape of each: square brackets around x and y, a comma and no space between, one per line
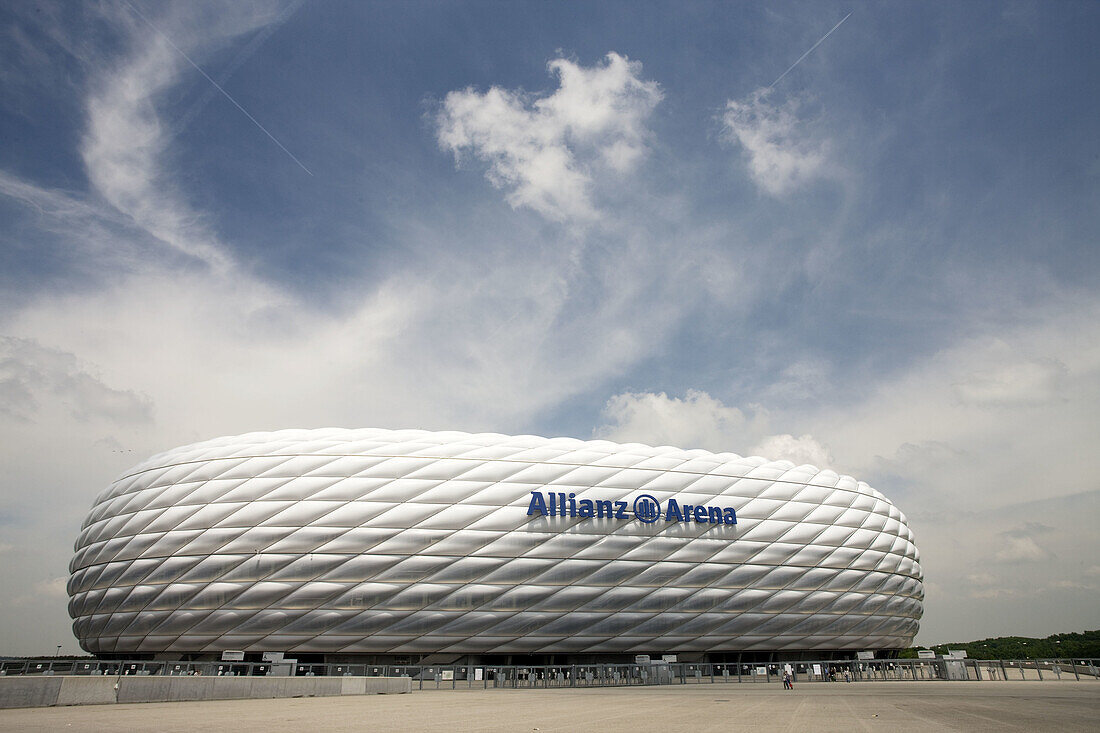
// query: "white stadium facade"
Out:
[414,546]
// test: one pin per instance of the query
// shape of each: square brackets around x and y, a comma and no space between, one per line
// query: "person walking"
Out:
[787,685]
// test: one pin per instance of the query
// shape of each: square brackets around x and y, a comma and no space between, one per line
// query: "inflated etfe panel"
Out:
[407,541]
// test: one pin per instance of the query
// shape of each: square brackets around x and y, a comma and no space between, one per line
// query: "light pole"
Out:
[58,654]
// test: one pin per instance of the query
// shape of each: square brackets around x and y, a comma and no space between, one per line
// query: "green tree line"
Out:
[1085,645]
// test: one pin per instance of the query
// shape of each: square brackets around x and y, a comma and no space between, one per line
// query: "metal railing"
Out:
[596,675]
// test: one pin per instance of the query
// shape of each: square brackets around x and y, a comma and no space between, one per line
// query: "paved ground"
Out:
[882,706]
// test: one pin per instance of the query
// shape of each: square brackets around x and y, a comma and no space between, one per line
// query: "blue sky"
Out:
[584,219]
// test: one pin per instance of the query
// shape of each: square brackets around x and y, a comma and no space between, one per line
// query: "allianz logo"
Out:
[645,508]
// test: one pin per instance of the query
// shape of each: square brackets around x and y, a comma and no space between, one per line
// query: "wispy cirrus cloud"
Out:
[125,140]
[546,151]
[123,148]
[90,237]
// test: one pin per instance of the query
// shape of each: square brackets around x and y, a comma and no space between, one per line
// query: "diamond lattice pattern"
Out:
[410,541]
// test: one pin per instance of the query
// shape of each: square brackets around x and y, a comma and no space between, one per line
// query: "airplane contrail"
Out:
[180,123]
[218,87]
[796,63]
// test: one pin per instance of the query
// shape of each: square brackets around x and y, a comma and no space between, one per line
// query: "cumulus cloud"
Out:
[545,152]
[698,420]
[1016,550]
[695,421]
[781,155]
[805,449]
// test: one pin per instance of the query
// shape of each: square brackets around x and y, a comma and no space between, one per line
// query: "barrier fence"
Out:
[596,675]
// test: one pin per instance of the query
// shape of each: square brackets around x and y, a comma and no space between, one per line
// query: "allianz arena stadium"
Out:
[412,546]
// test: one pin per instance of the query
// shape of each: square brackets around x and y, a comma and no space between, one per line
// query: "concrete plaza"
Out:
[868,706]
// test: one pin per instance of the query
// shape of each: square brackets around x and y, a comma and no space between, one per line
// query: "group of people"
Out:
[830,674]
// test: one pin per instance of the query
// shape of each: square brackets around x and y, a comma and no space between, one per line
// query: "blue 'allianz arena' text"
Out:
[560,504]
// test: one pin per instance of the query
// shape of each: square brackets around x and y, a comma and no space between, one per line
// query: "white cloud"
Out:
[983,579]
[1018,545]
[781,154]
[988,594]
[911,459]
[123,146]
[125,142]
[546,151]
[30,372]
[1015,383]
[1014,550]
[1074,585]
[51,590]
[698,420]
[95,239]
[462,344]
[804,449]
[801,380]
[986,445]
[1004,478]
[1042,376]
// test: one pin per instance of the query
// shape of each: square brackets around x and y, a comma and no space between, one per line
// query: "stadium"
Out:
[409,546]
